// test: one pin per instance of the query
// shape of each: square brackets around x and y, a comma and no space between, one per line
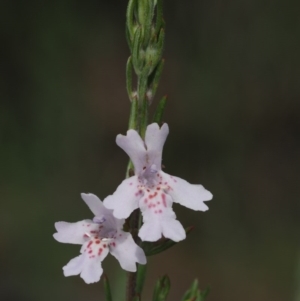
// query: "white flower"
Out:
[152,190]
[99,236]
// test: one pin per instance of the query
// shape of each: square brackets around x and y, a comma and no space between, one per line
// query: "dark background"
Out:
[232,79]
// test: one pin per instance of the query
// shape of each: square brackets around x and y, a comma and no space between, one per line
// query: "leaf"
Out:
[129,19]
[136,47]
[159,16]
[161,289]
[155,76]
[129,78]
[158,115]
[194,293]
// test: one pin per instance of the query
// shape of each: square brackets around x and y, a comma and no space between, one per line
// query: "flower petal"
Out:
[127,252]
[159,218]
[155,139]
[95,204]
[74,266]
[172,229]
[88,266]
[134,147]
[189,195]
[125,199]
[102,214]
[74,233]
[92,271]
[150,231]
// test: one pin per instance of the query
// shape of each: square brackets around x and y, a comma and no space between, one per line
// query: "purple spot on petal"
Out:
[163,196]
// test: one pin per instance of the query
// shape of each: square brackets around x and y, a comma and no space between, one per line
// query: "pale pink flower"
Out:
[98,237]
[151,189]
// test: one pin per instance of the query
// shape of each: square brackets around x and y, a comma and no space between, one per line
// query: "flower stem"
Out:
[143,104]
[130,286]
[145,37]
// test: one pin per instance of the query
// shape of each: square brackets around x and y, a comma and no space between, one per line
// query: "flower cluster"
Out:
[151,190]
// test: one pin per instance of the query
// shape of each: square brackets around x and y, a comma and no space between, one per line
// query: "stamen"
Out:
[106,239]
[99,220]
[153,168]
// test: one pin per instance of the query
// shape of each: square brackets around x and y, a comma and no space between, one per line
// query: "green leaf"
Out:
[155,77]
[158,114]
[130,18]
[159,16]
[153,53]
[129,77]
[153,248]
[107,291]
[160,42]
[161,289]
[194,293]
[128,38]
[147,13]
[137,61]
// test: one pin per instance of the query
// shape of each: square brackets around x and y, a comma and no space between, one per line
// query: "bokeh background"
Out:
[232,79]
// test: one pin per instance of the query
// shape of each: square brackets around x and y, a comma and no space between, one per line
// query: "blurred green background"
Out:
[233,84]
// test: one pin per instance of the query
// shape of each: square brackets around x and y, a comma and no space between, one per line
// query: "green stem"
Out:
[141,275]
[140,121]
[107,290]
[143,104]
[145,36]
[133,124]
